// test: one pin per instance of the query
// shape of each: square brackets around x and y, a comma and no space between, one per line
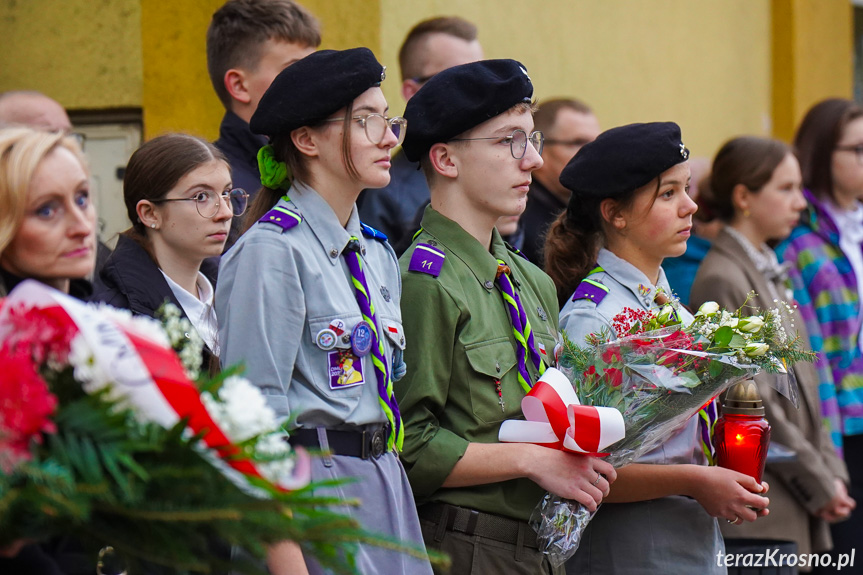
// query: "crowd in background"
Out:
[297,243]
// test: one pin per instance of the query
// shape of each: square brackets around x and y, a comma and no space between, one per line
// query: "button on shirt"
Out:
[460,344]
[199,309]
[629,287]
[279,288]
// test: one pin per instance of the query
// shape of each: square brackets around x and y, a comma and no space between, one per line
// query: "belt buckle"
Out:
[379,443]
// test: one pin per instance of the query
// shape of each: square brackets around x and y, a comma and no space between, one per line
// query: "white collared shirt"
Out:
[199,310]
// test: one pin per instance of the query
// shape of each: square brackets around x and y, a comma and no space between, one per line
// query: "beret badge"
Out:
[683,151]
[383,73]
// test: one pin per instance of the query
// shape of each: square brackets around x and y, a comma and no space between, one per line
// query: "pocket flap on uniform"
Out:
[395,332]
[493,358]
[545,345]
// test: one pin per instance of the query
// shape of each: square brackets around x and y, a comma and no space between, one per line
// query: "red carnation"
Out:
[26,407]
[614,376]
[44,333]
[612,354]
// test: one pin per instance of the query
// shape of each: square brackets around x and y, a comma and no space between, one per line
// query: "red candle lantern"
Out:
[741,434]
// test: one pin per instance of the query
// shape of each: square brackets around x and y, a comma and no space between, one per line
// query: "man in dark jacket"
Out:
[248,43]
[567,125]
[430,47]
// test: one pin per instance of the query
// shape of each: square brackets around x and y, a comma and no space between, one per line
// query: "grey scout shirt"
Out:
[629,287]
[278,288]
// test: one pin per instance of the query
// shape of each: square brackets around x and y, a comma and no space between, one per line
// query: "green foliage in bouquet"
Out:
[77,459]
[651,368]
[106,477]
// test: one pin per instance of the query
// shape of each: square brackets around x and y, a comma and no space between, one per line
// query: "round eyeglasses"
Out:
[517,142]
[207,202]
[857,149]
[376,126]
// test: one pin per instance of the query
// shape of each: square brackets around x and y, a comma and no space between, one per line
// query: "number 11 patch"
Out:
[427,259]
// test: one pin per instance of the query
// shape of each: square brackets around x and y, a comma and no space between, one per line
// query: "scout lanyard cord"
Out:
[367,308]
[520,327]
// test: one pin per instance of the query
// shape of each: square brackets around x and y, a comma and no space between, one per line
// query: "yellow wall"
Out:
[178,95]
[812,58]
[705,65]
[717,67]
[83,53]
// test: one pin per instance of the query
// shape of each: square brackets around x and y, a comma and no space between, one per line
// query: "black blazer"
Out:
[130,279]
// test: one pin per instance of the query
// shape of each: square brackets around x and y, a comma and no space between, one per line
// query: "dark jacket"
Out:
[78,288]
[240,146]
[397,209]
[542,209]
[131,280]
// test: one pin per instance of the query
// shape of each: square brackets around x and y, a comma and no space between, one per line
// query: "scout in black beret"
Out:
[311,89]
[310,295]
[619,163]
[459,98]
[623,159]
[472,130]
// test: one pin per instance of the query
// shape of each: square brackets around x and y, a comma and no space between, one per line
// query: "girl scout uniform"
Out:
[667,535]
[289,311]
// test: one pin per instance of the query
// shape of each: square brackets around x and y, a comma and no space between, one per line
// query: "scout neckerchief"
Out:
[367,308]
[520,327]
[708,414]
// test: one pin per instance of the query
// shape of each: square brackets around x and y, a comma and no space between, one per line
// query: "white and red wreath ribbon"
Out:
[148,375]
[555,418]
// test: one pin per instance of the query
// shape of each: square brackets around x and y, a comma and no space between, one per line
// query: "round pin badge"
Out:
[361,339]
[326,339]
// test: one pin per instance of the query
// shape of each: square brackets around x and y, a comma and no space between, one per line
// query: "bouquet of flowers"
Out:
[104,436]
[658,373]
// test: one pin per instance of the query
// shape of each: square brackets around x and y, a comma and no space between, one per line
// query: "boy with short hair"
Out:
[471,128]
[248,43]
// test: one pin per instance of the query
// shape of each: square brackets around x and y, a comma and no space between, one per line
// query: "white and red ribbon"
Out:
[555,418]
[148,375]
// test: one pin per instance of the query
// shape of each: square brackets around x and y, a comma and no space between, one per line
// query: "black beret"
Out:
[457,99]
[313,88]
[623,159]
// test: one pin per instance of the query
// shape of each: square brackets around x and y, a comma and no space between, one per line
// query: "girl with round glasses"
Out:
[308,297]
[178,193]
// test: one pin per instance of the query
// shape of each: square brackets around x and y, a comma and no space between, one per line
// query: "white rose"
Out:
[756,349]
[708,308]
[751,324]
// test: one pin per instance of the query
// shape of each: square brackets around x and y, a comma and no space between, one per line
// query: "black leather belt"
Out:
[473,522]
[363,443]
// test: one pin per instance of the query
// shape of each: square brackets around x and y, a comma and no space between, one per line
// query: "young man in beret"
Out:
[471,129]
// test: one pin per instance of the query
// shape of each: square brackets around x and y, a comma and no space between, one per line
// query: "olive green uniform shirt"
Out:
[459,344]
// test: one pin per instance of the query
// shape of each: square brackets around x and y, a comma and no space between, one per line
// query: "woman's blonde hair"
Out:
[21,152]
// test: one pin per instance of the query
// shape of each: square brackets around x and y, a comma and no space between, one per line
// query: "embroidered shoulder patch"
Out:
[427,259]
[282,217]
[370,232]
[590,289]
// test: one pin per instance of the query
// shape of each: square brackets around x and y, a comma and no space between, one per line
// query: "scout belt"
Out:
[473,522]
[362,443]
